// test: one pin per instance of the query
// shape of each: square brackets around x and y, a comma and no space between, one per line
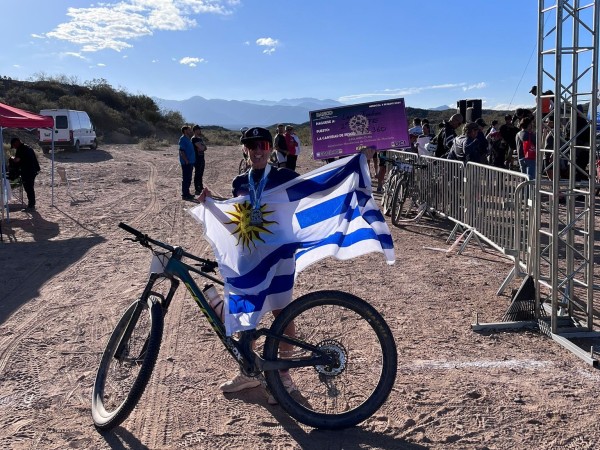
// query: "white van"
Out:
[72,129]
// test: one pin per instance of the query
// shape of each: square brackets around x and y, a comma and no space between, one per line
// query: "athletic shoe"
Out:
[288,384]
[239,383]
[188,197]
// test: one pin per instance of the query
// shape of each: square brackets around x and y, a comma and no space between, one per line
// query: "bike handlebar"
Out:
[146,240]
[399,162]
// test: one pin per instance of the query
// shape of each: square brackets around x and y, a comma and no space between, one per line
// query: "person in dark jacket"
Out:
[27,161]
[467,147]
[447,135]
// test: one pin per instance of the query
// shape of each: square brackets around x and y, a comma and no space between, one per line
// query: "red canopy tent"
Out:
[11,117]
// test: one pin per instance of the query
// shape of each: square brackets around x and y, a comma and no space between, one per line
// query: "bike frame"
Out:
[250,362]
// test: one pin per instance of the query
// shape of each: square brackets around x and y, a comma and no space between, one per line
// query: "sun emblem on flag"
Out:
[246,232]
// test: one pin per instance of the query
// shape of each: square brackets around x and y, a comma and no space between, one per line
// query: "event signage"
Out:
[346,130]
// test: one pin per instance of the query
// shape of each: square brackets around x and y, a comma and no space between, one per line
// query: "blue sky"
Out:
[430,53]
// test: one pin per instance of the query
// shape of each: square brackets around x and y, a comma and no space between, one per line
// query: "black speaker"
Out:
[461,108]
[476,113]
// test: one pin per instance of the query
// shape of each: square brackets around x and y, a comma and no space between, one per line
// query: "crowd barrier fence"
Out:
[490,203]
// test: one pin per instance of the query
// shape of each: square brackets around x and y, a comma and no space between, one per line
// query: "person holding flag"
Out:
[279,223]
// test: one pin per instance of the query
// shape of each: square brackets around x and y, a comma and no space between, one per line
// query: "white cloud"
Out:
[471,87]
[101,65]
[268,42]
[401,92]
[74,55]
[191,61]
[114,26]
[38,36]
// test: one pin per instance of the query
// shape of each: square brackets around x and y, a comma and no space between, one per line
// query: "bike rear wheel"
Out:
[362,346]
[401,203]
[127,363]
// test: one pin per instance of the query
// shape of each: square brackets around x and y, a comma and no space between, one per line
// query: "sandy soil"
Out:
[67,276]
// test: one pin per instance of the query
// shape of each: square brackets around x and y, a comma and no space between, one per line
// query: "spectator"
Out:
[375,160]
[28,164]
[492,128]
[423,140]
[509,132]
[483,143]
[500,152]
[416,129]
[582,144]
[187,158]
[290,143]
[467,147]
[297,139]
[525,141]
[280,146]
[446,136]
[200,146]
[547,102]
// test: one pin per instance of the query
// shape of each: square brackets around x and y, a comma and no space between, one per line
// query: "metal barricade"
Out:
[442,187]
[490,206]
[491,203]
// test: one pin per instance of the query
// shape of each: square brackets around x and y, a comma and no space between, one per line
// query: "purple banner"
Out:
[349,129]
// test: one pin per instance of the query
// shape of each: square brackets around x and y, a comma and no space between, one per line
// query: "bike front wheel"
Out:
[361,345]
[127,363]
[388,193]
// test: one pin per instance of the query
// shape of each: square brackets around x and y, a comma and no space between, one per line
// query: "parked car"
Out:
[72,130]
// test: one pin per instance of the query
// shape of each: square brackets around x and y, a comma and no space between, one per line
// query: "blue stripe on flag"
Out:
[248,303]
[333,207]
[250,279]
[347,240]
[326,180]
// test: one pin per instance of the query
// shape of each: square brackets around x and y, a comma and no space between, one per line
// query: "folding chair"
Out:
[69,180]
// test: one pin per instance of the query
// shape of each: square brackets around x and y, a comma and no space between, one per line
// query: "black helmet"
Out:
[256,134]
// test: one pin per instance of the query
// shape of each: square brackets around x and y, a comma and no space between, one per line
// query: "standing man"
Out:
[290,143]
[280,146]
[509,134]
[187,158]
[200,146]
[27,161]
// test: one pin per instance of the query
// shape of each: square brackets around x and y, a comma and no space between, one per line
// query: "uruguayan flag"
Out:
[327,212]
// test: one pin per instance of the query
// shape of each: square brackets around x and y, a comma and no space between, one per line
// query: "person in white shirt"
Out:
[424,139]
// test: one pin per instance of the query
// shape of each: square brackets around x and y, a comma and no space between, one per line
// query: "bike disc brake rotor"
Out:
[338,353]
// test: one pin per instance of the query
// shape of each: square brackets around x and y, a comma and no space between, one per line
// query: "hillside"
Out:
[124,118]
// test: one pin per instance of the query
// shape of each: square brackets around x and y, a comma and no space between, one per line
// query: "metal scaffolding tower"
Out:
[563,238]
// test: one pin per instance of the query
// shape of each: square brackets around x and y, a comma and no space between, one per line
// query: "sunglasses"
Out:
[263,145]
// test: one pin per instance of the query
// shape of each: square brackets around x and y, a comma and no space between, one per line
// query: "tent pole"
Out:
[3,180]
[52,174]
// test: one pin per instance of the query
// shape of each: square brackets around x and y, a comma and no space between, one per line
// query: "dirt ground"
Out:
[67,275]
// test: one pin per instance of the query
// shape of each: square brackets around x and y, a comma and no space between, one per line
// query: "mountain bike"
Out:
[343,357]
[397,172]
[406,205]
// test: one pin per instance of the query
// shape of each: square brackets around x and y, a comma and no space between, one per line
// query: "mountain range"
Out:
[234,114]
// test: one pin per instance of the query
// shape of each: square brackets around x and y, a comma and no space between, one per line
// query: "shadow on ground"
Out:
[21,282]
